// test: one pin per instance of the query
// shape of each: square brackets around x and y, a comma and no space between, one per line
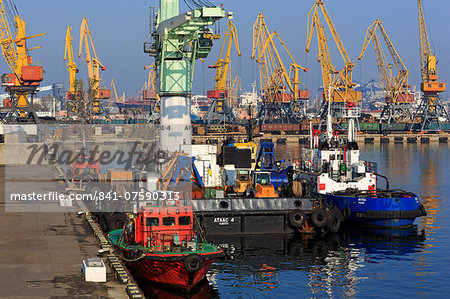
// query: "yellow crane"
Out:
[222,66]
[219,111]
[431,112]
[272,72]
[341,82]
[149,91]
[396,88]
[72,68]
[93,65]
[25,77]
[113,88]
[428,61]
[280,90]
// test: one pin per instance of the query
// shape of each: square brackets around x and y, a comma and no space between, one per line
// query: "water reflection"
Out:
[356,262]
[331,263]
[205,290]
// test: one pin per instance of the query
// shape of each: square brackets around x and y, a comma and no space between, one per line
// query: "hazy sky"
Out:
[119,29]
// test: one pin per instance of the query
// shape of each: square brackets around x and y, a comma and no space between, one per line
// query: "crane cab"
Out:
[160,227]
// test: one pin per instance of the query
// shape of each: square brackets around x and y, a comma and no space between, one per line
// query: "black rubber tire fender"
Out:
[347,212]
[193,263]
[319,218]
[297,218]
[334,222]
[422,209]
[103,222]
[116,221]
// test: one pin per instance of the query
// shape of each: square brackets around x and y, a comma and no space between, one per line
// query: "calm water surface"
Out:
[353,263]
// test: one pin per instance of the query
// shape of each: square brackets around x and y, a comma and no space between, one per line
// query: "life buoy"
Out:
[193,262]
[297,218]
[319,218]
[177,203]
[334,222]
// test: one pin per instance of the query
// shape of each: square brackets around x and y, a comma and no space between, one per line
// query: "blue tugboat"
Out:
[331,168]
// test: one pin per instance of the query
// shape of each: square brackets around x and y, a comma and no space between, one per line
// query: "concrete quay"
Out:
[304,139]
[41,255]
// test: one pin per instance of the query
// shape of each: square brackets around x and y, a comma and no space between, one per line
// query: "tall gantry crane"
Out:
[338,85]
[431,112]
[280,90]
[220,111]
[178,41]
[25,77]
[94,66]
[71,105]
[398,99]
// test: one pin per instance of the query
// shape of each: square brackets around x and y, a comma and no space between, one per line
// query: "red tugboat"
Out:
[159,244]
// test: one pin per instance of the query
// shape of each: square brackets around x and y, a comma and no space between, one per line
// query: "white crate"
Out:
[94,270]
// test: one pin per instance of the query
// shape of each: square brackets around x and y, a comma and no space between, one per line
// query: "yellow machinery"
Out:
[397,96]
[94,66]
[341,82]
[263,187]
[25,77]
[430,112]
[73,70]
[273,76]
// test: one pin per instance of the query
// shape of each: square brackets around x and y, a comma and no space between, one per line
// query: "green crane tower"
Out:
[179,40]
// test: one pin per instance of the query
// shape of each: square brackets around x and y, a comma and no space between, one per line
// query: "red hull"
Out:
[169,273]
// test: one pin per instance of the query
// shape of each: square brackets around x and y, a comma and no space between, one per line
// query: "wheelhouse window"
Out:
[168,221]
[152,221]
[184,220]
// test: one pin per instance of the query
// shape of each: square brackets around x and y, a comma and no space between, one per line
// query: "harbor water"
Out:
[356,262]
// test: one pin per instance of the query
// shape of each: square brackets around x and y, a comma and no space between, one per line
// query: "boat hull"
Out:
[168,269]
[169,273]
[387,212]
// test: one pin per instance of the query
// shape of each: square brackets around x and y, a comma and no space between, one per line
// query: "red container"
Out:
[32,73]
[405,98]
[280,127]
[149,95]
[303,94]
[104,94]
[217,94]
[283,97]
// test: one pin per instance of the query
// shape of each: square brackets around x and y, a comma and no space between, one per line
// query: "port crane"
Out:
[94,66]
[398,99]
[149,92]
[72,104]
[338,85]
[25,77]
[178,40]
[431,112]
[278,106]
[113,88]
[220,111]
